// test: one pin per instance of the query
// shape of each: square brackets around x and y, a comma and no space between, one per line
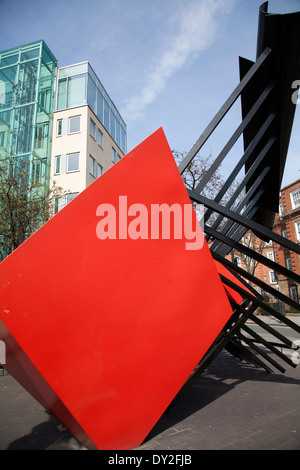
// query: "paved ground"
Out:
[233,405]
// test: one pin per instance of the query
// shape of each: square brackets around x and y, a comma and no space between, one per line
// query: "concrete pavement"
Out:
[233,405]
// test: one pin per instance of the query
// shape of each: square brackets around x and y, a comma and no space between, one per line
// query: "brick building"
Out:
[287,224]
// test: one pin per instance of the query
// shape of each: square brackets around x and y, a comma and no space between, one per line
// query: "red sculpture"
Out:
[104,331]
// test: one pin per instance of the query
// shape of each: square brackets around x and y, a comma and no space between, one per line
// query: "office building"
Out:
[59,124]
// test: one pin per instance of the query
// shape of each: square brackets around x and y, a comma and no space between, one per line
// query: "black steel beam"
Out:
[224,109]
[264,232]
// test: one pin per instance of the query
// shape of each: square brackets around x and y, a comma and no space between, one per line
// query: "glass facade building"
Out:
[78,85]
[33,90]
[27,87]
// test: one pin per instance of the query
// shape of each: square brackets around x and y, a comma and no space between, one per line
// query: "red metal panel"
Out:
[233,294]
[113,327]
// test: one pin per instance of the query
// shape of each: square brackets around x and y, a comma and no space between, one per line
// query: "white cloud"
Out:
[195,28]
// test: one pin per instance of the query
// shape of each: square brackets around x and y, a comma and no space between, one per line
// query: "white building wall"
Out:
[81,142]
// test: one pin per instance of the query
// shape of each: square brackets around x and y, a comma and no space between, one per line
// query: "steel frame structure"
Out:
[267,117]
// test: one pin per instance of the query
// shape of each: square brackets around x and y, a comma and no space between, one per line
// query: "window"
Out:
[112,128]
[297,230]
[59,127]
[98,170]
[76,91]
[288,263]
[294,293]
[56,205]
[92,129]
[284,234]
[113,155]
[36,173]
[106,115]
[57,165]
[41,134]
[281,210]
[246,240]
[72,162]
[272,277]
[99,137]
[74,124]
[70,197]
[295,199]
[91,94]
[95,169]
[2,136]
[270,255]
[91,165]
[45,99]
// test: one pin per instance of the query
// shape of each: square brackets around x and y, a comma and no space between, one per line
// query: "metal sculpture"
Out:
[132,304]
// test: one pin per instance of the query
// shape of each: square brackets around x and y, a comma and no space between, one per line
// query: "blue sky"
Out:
[169,63]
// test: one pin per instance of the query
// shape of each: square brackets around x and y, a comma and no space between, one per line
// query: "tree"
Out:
[195,172]
[193,175]
[24,205]
[250,240]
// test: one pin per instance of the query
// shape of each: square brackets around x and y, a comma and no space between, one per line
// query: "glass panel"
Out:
[59,127]
[296,198]
[118,133]
[99,106]
[91,165]
[61,94]
[99,138]
[46,86]
[27,55]
[27,82]
[62,73]
[23,129]
[2,139]
[46,59]
[71,196]
[112,125]
[92,94]
[99,170]
[74,124]
[106,115]
[5,128]
[92,129]
[9,60]
[73,162]
[36,173]
[76,95]
[41,135]
[8,92]
[56,205]
[78,69]
[123,140]
[92,73]
[57,164]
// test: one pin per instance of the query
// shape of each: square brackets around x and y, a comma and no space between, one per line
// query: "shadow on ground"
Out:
[222,375]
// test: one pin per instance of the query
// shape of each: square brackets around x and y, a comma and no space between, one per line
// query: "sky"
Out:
[164,63]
